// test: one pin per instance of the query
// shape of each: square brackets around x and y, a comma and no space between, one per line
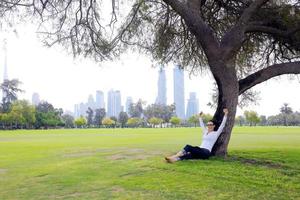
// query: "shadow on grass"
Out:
[263,162]
[256,162]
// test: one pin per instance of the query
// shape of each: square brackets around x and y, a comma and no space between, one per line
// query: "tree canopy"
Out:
[161,28]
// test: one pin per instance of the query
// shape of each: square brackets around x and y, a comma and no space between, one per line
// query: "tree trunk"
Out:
[230,102]
[228,89]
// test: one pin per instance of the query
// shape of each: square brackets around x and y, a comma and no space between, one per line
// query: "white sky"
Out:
[63,81]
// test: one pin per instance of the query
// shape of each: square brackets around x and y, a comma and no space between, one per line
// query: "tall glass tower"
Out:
[110,103]
[114,103]
[118,105]
[162,88]
[91,102]
[35,99]
[178,77]
[100,99]
[129,101]
[5,74]
[192,105]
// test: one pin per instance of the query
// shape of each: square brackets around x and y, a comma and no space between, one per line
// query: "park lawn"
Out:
[263,163]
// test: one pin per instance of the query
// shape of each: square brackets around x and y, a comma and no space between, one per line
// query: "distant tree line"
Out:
[17,114]
[151,116]
[22,114]
[286,117]
[154,115]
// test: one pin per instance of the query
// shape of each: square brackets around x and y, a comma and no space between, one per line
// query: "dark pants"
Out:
[194,152]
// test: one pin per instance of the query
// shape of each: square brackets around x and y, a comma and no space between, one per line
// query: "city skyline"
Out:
[114,105]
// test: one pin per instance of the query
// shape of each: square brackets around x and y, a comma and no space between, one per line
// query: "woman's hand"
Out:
[225,110]
[201,114]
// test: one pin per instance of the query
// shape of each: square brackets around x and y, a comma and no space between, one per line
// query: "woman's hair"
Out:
[215,123]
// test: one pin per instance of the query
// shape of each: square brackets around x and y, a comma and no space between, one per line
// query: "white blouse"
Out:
[209,139]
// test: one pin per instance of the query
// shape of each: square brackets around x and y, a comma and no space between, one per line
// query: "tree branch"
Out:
[271,30]
[233,39]
[267,73]
[204,34]
[249,12]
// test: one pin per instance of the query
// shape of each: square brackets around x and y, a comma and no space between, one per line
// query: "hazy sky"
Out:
[63,81]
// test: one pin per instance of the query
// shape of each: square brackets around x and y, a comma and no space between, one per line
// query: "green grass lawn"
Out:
[263,163]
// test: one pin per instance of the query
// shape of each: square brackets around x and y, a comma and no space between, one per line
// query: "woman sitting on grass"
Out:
[209,138]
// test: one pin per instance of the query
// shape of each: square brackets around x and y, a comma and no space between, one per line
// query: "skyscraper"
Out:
[129,101]
[35,99]
[114,103]
[91,102]
[162,88]
[192,105]
[100,99]
[178,77]
[118,103]
[82,109]
[5,74]
[110,103]
[76,110]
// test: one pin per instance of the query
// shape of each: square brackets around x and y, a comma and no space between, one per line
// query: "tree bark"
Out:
[268,73]
[228,88]
[220,147]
